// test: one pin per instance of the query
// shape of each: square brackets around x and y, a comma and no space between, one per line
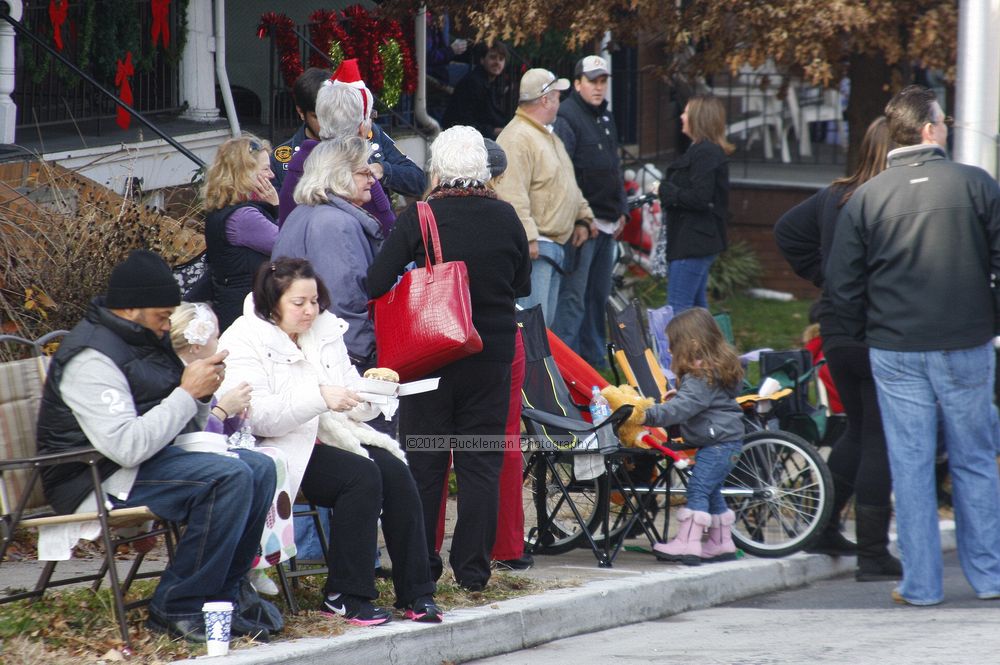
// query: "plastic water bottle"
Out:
[600,409]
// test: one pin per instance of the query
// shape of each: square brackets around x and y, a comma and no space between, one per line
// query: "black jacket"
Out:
[916,250]
[477,102]
[695,199]
[232,266]
[804,235]
[591,140]
[149,364]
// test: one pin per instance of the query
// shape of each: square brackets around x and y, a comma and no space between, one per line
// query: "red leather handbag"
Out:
[425,321]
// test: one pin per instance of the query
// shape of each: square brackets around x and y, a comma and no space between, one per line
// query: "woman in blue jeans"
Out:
[704,405]
[694,194]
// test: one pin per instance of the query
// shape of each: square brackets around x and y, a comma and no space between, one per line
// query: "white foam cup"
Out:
[218,620]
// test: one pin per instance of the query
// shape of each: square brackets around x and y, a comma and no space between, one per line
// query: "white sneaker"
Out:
[264,585]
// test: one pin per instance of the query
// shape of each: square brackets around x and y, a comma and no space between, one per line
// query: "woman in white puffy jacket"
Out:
[291,351]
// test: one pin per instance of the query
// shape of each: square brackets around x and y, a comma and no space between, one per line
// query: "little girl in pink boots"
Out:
[704,406]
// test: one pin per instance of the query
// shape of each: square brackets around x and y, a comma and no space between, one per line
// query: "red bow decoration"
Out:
[161,26]
[58,10]
[122,117]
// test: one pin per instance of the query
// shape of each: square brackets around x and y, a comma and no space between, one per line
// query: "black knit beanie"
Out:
[142,280]
[496,158]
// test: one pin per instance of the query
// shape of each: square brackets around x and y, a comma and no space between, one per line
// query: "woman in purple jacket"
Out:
[240,204]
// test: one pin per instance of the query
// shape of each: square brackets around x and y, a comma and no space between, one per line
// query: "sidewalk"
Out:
[637,588]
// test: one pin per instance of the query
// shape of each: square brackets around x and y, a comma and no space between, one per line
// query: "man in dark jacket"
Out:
[478,98]
[913,273]
[588,131]
[117,385]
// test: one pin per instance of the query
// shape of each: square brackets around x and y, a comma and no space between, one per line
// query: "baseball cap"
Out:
[592,67]
[537,82]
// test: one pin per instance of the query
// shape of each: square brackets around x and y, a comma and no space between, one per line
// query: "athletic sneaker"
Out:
[358,611]
[525,562]
[424,610]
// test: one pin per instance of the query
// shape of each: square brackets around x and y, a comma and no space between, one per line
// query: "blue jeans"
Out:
[223,502]
[545,280]
[687,283]
[910,387]
[580,318]
[712,465]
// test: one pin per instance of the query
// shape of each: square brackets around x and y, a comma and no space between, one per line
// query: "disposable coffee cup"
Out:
[218,619]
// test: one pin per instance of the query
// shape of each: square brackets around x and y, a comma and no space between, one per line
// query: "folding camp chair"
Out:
[22,504]
[566,506]
[794,369]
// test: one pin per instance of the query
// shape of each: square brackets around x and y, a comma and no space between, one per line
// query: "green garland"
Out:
[392,77]
[336,55]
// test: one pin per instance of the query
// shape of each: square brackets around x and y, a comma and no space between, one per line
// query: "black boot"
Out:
[831,540]
[875,564]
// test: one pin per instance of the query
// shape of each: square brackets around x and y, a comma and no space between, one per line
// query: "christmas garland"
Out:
[283,29]
[384,57]
[330,37]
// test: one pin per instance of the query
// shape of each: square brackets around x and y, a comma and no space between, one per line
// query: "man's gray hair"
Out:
[458,157]
[339,110]
[330,167]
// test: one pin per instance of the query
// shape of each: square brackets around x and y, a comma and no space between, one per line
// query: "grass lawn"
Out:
[756,323]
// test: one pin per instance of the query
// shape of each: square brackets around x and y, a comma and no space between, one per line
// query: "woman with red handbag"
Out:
[472,398]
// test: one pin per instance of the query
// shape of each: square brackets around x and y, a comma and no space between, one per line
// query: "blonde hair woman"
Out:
[694,194]
[240,205]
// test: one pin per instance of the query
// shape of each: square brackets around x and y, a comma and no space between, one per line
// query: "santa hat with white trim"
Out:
[349,74]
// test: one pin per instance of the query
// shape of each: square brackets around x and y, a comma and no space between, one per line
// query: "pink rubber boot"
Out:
[686,545]
[719,545]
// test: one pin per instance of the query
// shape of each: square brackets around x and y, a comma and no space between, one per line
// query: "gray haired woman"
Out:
[340,239]
[473,395]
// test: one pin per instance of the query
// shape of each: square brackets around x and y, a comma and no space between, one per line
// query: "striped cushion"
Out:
[20,394]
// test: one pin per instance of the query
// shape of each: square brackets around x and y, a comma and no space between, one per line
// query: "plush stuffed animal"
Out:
[630,432]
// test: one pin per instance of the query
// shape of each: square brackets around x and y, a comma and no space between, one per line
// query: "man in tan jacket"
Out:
[540,183]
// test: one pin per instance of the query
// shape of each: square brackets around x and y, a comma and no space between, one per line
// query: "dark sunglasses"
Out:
[255,147]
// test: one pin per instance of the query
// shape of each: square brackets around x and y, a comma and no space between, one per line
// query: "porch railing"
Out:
[48,93]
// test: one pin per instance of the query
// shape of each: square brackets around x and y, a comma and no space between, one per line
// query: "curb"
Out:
[512,625]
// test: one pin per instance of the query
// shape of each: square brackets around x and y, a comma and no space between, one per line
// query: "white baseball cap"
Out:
[537,82]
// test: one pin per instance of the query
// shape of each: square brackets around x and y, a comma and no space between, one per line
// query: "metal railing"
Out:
[106,95]
[48,93]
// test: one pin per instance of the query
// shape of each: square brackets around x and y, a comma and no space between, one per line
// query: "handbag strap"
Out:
[429,225]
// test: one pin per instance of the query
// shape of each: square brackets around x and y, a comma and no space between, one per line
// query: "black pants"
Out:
[859,457]
[358,490]
[471,399]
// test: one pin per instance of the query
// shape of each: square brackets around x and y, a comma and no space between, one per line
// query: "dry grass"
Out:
[60,236]
[74,626]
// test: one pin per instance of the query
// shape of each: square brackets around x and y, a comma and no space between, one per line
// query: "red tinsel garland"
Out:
[361,39]
[324,29]
[290,62]
[366,39]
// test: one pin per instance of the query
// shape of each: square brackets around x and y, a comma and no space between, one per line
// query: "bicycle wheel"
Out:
[781,492]
[545,504]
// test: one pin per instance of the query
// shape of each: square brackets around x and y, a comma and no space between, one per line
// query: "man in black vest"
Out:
[116,384]
[588,131]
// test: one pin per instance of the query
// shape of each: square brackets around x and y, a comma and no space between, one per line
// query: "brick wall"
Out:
[754,210]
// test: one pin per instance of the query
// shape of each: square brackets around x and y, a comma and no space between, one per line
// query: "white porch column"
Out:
[977,99]
[8,110]
[197,73]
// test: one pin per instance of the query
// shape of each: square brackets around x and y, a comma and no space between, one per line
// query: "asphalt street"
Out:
[831,621]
